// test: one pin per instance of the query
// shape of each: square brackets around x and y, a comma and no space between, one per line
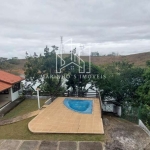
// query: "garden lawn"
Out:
[28,105]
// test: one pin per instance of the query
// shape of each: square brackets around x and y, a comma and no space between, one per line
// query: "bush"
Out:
[14,61]
[145,115]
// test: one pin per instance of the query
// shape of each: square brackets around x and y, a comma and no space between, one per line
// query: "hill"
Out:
[138,59]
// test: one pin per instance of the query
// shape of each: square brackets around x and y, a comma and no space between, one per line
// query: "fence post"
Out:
[139,112]
[38,98]
[100,102]
[68,93]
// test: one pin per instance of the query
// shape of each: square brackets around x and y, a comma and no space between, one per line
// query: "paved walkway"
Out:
[48,145]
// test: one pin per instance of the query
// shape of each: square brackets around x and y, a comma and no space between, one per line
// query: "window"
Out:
[5,92]
[16,87]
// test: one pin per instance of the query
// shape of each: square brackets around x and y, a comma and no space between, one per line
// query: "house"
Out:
[9,87]
[14,57]
[2,59]
[94,53]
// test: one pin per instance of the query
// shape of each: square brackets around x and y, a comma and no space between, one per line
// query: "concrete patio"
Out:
[57,118]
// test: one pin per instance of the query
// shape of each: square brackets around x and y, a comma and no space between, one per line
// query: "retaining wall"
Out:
[141,124]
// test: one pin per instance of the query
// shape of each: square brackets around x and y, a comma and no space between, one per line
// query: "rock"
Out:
[147,147]
[115,145]
[106,122]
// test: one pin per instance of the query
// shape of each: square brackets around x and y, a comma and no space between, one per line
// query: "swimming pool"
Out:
[81,106]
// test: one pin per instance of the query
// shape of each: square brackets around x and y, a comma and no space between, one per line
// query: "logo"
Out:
[76,60]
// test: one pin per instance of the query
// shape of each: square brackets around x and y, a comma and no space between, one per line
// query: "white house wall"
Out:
[14,95]
[108,107]
[6,97]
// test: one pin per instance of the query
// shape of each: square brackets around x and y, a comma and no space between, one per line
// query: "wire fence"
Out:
[133,114]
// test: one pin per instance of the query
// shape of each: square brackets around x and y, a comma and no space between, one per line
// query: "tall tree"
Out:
[144,90]
[121,82]
[41,68]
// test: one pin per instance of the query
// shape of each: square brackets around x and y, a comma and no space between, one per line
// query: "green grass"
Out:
[24,107]
[20,131]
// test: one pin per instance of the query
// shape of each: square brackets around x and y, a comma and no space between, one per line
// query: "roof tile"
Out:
[4,86]
[9,78]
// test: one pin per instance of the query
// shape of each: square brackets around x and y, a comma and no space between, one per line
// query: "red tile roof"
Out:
[9,78]
[4,86]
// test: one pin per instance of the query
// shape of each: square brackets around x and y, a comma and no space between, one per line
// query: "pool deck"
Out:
[57,118]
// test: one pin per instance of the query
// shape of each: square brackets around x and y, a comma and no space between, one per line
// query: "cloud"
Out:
[119,26]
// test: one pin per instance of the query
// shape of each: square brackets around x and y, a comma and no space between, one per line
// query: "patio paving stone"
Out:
[68,146]
[10,145]
[90,146]
[1,141]
[29,145]
[48,145]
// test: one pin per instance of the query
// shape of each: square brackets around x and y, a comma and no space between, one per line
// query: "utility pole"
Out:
[62,46]
[38,97]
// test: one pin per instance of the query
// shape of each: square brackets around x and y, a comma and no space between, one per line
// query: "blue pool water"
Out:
[81,106]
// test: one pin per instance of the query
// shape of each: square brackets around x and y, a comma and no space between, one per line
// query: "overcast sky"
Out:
[121,26]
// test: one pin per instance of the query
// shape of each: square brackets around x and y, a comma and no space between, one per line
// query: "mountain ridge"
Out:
[138,60]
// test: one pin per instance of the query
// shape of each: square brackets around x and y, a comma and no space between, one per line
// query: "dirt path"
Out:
[124,135]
